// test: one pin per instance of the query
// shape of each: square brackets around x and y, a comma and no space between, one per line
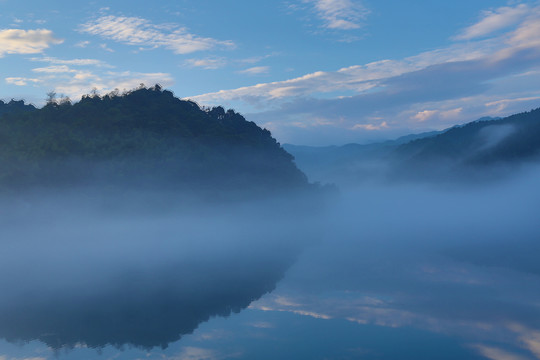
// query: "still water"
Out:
[395,272]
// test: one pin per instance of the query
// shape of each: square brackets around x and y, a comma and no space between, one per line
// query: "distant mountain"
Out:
[472,148]
[347,163]
[464,152]
[144,138]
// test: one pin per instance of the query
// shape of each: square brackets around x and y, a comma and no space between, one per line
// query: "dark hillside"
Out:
[144,138]
[14,106]
[485,149]
[478,146]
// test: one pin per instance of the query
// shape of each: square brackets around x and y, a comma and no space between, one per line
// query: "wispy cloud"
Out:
[75,82]
[370,127]
[77,62]
[256,70]
[197,353]
[256,59]
[54,69]
[207,63]
[494,353]
[81,82]
[15,41]
[494,20]
[22,81]
[340,14]
[430,90]
[140,32]
[106,48]
[356,78]
[426,115]
[82,44]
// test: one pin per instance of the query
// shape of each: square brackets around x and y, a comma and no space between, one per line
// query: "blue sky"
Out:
[313,72]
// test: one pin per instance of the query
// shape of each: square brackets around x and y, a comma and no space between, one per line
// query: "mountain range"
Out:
[480,150]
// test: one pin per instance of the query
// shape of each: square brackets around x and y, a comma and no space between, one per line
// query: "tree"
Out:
[51,98]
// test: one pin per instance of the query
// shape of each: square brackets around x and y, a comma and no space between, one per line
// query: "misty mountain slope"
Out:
[515,136]
[474,149]
[145,138]
[339,164]
[479,150]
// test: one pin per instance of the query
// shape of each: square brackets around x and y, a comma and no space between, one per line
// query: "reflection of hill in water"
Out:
[96,279]
[159,264]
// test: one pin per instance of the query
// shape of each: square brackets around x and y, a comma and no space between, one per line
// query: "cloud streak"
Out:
[77,62]
[495,20]
[256,70]
[207,63]
[340,14]
[136,31]
[429,90]
[16,41]
[76,77]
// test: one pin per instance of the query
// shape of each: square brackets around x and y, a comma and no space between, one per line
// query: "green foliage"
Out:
[145,137]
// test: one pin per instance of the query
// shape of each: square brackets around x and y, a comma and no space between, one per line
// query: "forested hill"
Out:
[14,106]
[485,149]
[482,142]
[144,138]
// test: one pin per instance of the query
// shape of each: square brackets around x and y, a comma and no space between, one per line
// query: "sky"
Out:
[313,72]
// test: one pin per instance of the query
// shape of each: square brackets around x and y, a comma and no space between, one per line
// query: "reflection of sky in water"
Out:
[401,273]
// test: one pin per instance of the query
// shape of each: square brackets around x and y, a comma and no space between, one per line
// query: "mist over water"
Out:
[409,263]
[86,269]
[460,260]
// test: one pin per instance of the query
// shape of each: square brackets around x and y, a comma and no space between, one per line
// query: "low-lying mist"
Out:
[95,268]
[459,259]
[145,268]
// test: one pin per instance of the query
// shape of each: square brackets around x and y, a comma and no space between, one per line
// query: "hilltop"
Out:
[144,138]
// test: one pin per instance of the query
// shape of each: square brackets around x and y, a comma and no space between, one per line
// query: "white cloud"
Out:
[21,81]
[141,32]
[494,20]
[340,14]
[453,84]
[256,59]
[81,82]
[15,41]
[106,48]
[493,353]
[501,105]
[426,115]
[54,69]
[422,116]
[75,83]
[529,338]
[451,114]
[82,44]
[370,127]
[196,353]
[76,62]
[207,63]
[256,70]
[528,33]
[356,78]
